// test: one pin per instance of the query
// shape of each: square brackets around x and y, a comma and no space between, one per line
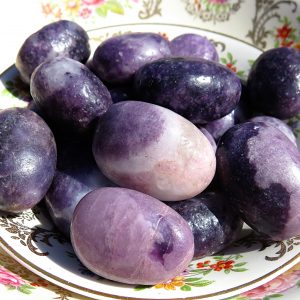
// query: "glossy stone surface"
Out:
[279,124]
[198,89]
[194,45]
[134,238]
[259,168]
[274,83]
[62,38]
[69,95]
[218,127]
[27,159]
[215,225]
[146,147]
[117,59]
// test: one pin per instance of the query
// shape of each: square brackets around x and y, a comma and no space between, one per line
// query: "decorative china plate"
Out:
[34,242]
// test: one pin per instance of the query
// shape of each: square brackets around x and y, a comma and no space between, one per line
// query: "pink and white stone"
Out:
[151,149]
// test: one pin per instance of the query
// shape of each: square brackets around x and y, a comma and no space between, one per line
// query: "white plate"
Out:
[31,239]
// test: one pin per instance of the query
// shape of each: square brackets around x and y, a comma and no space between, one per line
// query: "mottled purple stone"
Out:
[209,137]
[259,167]
[28,159]
[218,127]
[215,225]
[194,45]
[76,175]
[62,38]
[287,130]
[130,237]
[274,83]
[117,59]
[120,121]
[198,89]
[69,95]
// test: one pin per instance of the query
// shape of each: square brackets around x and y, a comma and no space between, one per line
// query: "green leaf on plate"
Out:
[240,73]
[240,264]
[205,272]
[223,60]
[25,289]
[218,257]
[227,271]
[229,56]
[192,279]
[102,10]
[272,296]
[202,283]
[186,288]
[250,62]
[115,7]
[239,270]
[142,287]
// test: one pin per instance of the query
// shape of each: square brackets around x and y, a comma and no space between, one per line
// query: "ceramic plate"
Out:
[33,241]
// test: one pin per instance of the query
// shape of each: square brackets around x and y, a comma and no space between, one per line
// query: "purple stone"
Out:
[194,45]
[134,238]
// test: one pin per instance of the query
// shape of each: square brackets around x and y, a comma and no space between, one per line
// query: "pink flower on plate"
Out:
[8,278]
[85,12]
[277,285]
[93,2]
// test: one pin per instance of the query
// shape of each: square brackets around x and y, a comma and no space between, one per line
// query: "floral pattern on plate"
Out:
[31,234]
[93,9]
[213,10]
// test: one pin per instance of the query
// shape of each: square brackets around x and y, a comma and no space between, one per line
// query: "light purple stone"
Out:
[117,59]
[194,45]
[130,237]
[279,124]
[218,127]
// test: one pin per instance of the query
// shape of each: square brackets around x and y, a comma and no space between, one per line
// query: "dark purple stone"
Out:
[75,176]
[69,95]
[122,93]
[198,89]
[62,38]
[260,178]
[28,159]
[215,225]
[243,110]
[274,83]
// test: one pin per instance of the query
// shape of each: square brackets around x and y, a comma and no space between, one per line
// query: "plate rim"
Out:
[66,284]
[87,291]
